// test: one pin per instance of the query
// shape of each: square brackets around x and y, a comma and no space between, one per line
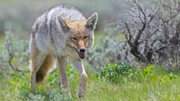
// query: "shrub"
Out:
[13,54]
[53,95]
[151,35]
[115,72]
[121,72]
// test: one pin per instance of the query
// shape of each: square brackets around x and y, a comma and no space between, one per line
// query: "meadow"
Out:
[109,79]
[159,86]
[150,83]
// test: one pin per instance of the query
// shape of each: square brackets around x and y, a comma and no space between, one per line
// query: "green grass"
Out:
[158,86]
[155,88]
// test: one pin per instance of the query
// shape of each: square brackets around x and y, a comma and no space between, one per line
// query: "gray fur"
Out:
[50,36]
[47,28]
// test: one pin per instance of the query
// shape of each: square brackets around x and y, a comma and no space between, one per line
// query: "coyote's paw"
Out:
[81,93]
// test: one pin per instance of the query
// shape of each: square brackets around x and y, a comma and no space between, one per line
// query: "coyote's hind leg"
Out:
[36,60]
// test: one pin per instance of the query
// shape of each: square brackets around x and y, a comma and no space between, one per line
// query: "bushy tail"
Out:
[44,69]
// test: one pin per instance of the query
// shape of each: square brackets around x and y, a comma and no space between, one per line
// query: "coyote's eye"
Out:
[85,37]
[74,39]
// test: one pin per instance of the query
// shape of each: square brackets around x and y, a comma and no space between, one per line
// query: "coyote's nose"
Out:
[82,50]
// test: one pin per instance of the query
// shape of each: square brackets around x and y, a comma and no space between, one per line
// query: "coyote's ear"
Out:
[64,25]
[92,21]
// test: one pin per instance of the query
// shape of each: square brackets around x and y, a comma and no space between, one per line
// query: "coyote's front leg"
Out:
[63,82]
[78,64]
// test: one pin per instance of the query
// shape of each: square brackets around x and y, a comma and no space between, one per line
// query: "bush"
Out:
[121,72]
[115,72]
[151,35]
[14,54]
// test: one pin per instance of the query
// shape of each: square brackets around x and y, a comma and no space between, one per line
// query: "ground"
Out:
[154,84]
[161,86]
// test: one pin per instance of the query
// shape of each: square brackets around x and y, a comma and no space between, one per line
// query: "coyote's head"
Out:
[80,33]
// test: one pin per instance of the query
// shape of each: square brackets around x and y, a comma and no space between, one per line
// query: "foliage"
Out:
[115,72]
[120,72]
[114,81]
[143,83]
[108,49]
[14,53]
[152,32]
[53,95]
[151,35]
[54,76]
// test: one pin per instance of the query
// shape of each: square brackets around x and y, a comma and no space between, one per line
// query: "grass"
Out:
[158,85]
[16,88]
[155,88]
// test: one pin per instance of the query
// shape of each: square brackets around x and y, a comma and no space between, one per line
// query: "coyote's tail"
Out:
[44,69]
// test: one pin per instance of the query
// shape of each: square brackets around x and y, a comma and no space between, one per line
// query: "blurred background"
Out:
[18,16]
[148,26]
[136,55]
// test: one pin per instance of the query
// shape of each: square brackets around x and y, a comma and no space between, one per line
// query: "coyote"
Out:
[60,34]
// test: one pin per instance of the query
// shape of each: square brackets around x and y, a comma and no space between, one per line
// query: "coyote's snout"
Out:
[60,34]
[81,52]
[80,47]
